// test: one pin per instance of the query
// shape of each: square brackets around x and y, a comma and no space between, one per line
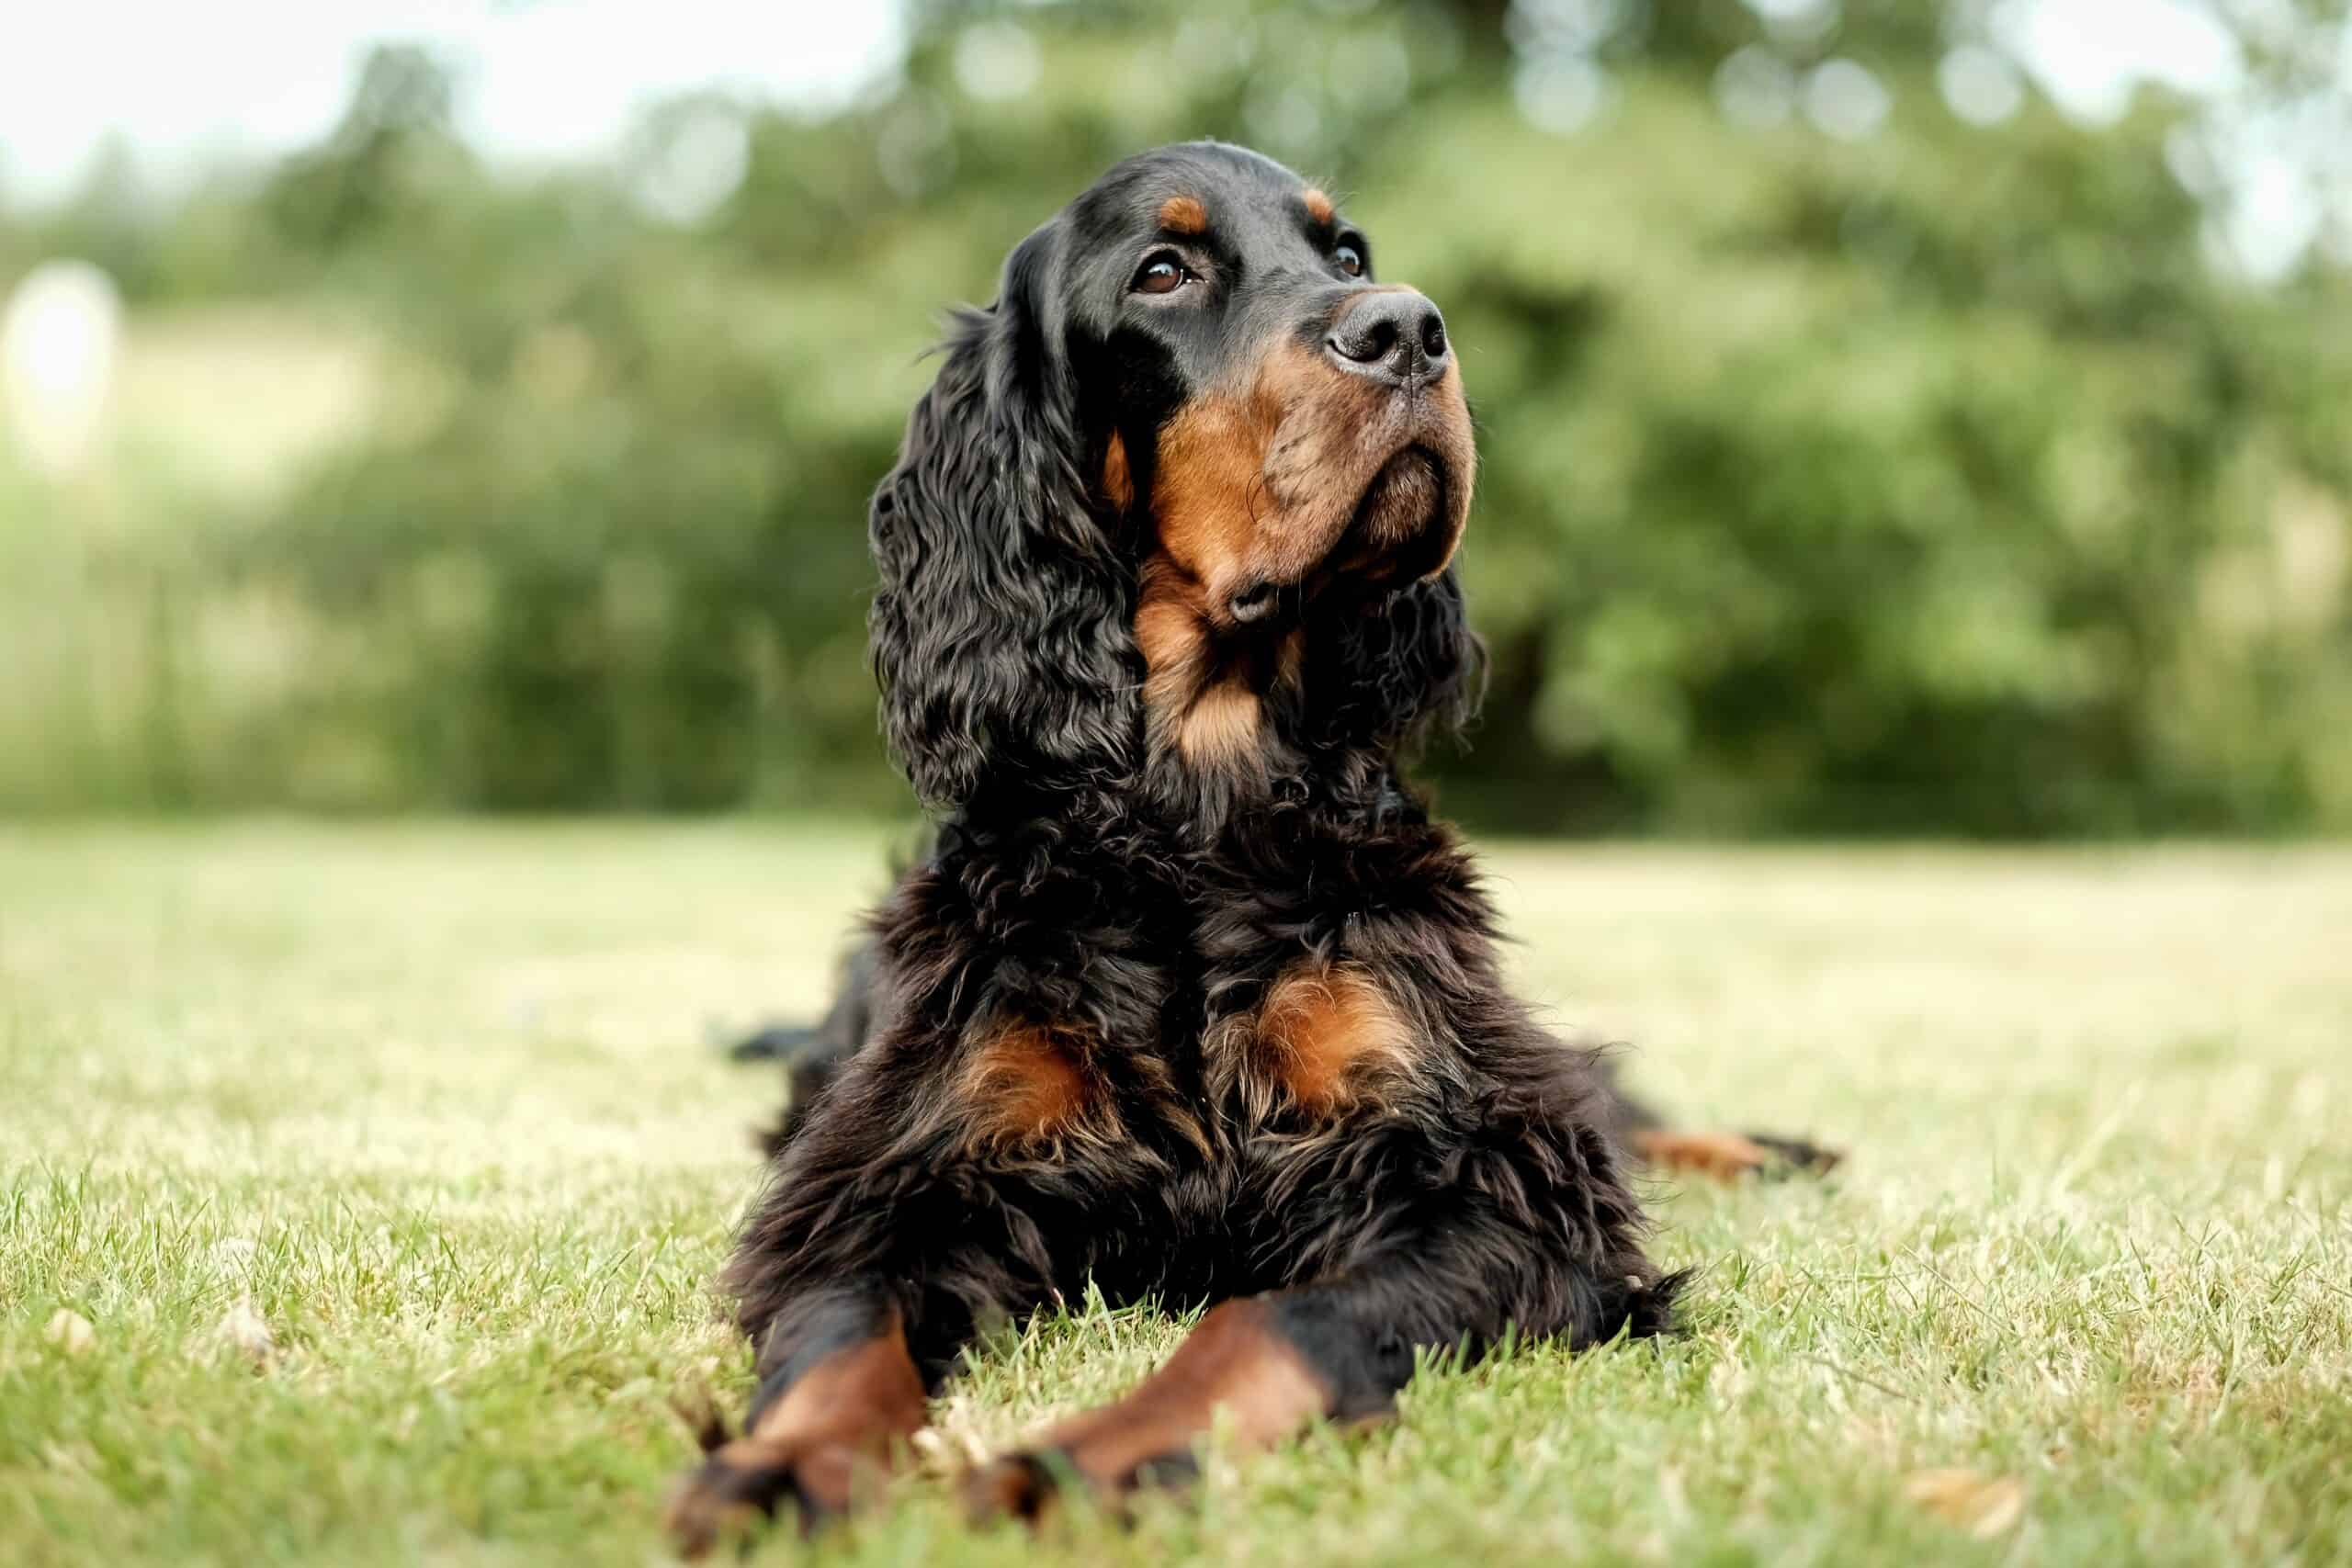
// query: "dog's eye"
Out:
[1351,260]
[1162,275]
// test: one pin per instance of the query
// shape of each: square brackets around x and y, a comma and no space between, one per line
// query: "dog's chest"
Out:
[1323,1038]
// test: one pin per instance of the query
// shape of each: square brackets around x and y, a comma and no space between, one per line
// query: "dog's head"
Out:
[1194,469]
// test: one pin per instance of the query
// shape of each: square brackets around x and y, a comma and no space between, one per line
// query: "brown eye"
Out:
[1160,274]
[1351,260]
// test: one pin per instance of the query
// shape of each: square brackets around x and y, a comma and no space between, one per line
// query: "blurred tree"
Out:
[1867,445]
[362,180]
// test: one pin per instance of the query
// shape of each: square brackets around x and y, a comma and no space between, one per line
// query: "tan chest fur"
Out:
[1326,1038]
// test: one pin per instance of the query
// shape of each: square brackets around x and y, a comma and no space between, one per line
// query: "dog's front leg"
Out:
[1264,1365]
[1410,1240]
[838,1400]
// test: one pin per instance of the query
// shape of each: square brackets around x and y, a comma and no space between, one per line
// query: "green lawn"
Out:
[434,1109]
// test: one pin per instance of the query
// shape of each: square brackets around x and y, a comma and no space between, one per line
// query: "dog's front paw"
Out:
[1798,1157]
[1026,1484]
[738,1485]
[1018,1486]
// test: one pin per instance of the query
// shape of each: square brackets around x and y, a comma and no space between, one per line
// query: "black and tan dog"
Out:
[1190,998]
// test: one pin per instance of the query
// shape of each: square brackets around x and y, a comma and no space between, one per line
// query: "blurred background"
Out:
[1897,417]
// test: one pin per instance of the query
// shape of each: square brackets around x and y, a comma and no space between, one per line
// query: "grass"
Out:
[435,1106]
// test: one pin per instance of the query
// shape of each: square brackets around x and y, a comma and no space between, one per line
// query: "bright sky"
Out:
[185,82]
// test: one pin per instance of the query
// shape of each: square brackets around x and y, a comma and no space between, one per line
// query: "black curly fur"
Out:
[1141,908]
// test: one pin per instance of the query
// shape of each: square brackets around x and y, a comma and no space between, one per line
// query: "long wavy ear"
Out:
[1001,629]
[1409,669]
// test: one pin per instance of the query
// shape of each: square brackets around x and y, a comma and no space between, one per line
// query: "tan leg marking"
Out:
[845,1422]
[1722,1155]
[1235,1366]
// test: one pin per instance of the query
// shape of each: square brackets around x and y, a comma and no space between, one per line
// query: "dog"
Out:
[1191,999]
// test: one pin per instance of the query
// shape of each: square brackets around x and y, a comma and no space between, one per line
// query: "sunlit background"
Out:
[1897,417]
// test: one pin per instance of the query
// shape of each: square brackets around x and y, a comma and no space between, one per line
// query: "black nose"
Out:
[1396,335]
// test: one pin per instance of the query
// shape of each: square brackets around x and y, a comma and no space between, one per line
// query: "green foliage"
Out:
[1928,482]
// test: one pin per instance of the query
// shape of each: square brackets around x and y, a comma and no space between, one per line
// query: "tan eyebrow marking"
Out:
[1318,206]
[1184,215]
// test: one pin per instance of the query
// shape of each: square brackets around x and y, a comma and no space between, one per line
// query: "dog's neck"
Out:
[1226,711]
[1210,693]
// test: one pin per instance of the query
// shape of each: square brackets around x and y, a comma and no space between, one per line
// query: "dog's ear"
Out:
[1002,628]
[1409,669]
